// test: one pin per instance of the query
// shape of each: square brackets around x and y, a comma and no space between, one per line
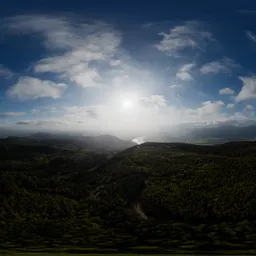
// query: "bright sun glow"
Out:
[127,104]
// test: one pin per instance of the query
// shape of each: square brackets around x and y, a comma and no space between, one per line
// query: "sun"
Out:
[127,103]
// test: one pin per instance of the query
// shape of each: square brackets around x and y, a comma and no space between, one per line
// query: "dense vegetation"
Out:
[154,197]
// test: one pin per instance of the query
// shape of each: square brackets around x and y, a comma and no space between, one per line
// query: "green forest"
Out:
[154,197]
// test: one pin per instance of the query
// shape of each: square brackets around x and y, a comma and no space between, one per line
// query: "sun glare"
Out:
[127,104]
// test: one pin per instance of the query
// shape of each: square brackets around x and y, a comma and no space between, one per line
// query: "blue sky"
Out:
[126,65]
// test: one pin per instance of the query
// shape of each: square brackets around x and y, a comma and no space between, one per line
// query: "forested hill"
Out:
[151,197]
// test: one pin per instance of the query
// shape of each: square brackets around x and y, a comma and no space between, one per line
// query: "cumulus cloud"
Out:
[82,45]
[190,35]
[249,107]
[251,35]
[184,72]
[11,114]
[74,66]
[226,91]
[230,105]
[30,88]
[209,108]
[225,65]
[248,90]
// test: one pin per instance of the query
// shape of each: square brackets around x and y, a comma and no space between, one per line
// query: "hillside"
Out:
[155,196]
[101,143]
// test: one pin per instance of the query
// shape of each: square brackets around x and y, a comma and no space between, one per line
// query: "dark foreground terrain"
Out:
[156,197]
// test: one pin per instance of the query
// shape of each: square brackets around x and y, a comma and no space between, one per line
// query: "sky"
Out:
[126,66]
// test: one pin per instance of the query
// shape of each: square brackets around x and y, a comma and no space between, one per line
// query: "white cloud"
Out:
[230,105]
[249,107]
[34,88]
[190,35]
[115,62]
[82,45]
[74,66]
[154,101]
[82,112]
[83,54]
[173,86]
[184,72]
[44,109]
[11,114]
[88,77]
[251,35]
[226,91]
[225,65]
[58,32]
[209,108]
[248,90]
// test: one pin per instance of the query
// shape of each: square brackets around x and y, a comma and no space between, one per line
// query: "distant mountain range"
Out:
[227,132]
[206,134]
[95,143]
[192,133]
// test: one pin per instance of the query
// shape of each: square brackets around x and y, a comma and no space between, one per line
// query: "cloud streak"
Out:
[11,114]
[40,122]
[251,36]
[225,65]
[189,35]
[82,113]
